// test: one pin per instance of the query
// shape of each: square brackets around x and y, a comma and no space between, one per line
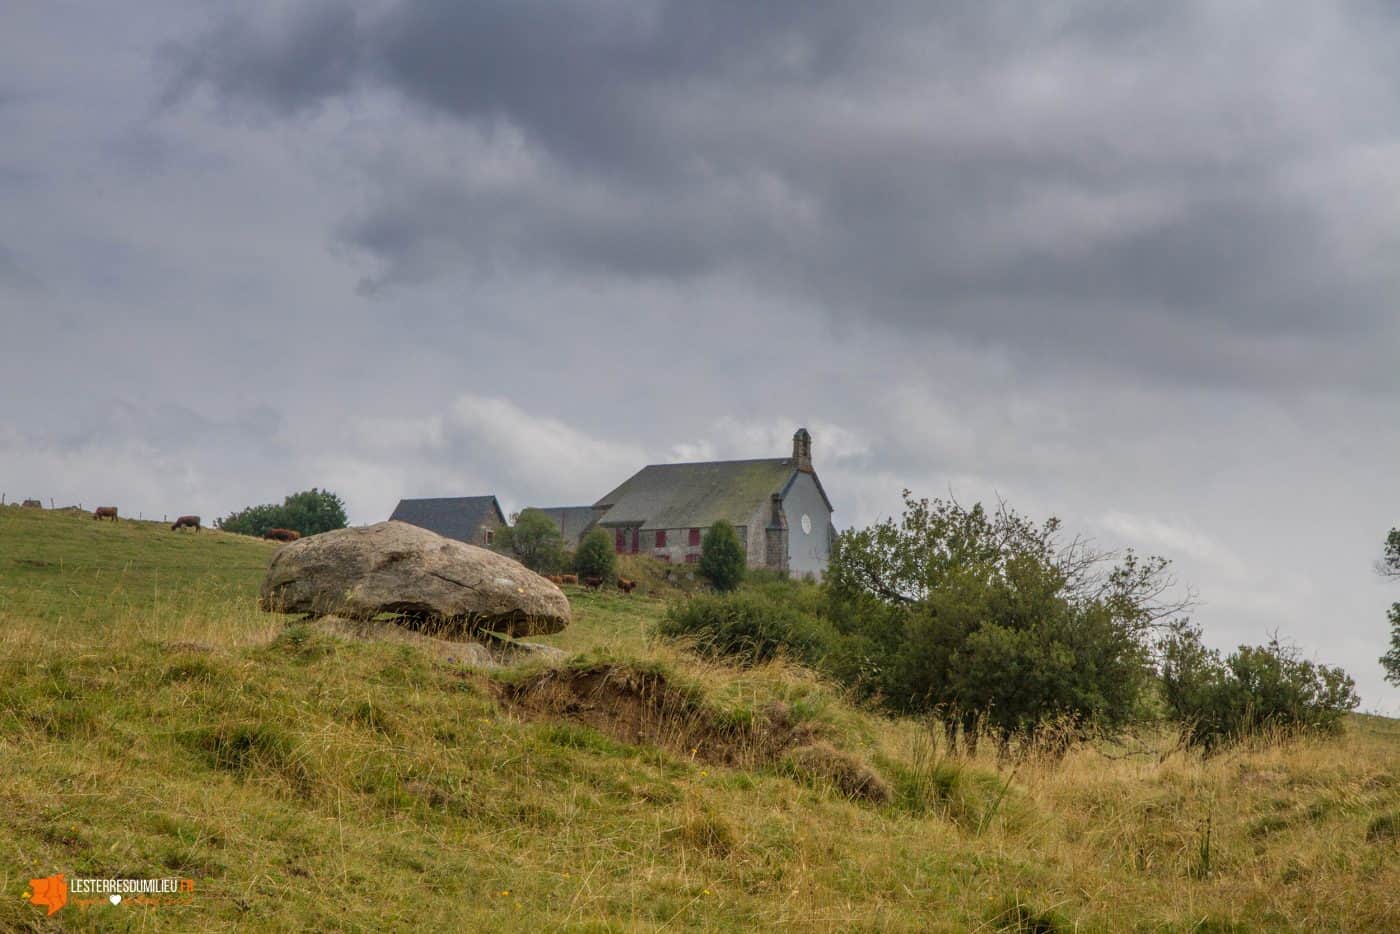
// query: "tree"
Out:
[313,511]
[1389,566]
[722,557]
[595,556]
[309,512]
[984,617]
[252,520]
[534,541]
[1257,688]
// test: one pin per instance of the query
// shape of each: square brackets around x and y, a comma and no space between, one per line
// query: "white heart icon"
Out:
[115,899]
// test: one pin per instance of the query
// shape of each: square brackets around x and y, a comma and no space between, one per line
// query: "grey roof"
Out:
[678,496]
[459,517]
[573,522]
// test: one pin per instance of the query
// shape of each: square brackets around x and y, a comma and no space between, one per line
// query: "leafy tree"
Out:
[1389,566]
[534,541]
[313,511]
[1257,688]
[252,520]
[984,617]
[722,558]
[308,512]
[595,556]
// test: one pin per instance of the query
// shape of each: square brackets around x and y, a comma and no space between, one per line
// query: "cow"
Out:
[34,504]
[282,535]
[593,583]
[186,522]
[625,585]
[568,579]
[105,512]
[554,579]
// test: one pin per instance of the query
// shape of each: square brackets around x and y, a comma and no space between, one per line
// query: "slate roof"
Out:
[459,517]
[680,496]
[573,521]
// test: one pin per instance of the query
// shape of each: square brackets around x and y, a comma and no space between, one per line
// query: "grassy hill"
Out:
[154,723]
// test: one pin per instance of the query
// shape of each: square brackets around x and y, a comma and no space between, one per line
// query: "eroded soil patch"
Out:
[644,707]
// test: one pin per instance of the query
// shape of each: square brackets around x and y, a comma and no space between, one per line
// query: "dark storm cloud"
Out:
[1060,180]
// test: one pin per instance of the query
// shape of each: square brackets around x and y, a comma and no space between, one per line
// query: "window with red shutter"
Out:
[692,559]
[694,537]
[660,538]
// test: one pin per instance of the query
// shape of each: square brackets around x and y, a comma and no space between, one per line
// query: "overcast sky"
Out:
[1133,267]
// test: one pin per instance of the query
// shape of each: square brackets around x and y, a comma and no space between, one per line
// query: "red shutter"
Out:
[694,537]
[620,541]
[660,538]
[692,559]
[636,540]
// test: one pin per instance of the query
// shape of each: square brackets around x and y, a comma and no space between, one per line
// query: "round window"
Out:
[806,524]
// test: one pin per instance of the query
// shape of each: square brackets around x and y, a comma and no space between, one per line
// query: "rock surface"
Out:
[435,585]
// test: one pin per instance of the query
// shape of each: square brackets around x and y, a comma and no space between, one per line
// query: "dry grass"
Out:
[307,782]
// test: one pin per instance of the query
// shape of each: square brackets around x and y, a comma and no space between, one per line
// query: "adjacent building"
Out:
[470,519]
[777,505]
[573,522]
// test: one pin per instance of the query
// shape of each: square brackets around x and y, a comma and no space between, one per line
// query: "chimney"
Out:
[802,450]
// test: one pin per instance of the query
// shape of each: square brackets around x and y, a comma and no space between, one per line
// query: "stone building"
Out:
[470,519]
[777,505]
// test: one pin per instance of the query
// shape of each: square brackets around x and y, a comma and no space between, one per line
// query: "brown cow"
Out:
[282,535]
[568,579]
[593,583]
[186,522]
[625,585]
[105,512]
[554,579]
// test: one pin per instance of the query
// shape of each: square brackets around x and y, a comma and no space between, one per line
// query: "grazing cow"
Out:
[186,522]
[625,585]
[554,579]
[593,583]
[282,535]
[568,579]
[105,512]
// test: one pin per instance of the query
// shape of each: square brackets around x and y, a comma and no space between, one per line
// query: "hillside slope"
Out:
[154,723]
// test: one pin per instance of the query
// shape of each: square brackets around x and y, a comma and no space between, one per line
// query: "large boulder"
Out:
[433,584]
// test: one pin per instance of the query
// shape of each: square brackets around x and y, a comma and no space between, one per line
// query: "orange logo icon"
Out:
[50,892]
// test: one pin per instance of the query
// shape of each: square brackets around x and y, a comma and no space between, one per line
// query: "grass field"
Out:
[153,723]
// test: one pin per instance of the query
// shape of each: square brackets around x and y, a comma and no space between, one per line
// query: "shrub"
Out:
[309,512]
[987,620]
[534,541]
[722,557]
[595,556]
[749,626]
[1255,690]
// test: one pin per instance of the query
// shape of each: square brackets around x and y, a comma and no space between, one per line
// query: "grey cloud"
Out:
[1020,180]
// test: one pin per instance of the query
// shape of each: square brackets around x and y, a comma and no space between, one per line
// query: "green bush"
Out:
[750,626]
[534,541]
[722,557]
[595,556]
[987,620]
[309,512]
[1257,689]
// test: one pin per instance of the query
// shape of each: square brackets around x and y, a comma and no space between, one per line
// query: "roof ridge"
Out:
[738,460]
